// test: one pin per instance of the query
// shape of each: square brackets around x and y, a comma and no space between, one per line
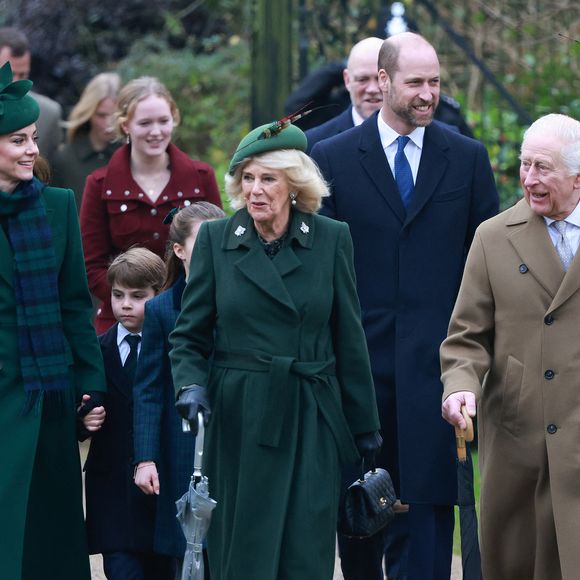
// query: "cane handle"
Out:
[469,429]
[463,435]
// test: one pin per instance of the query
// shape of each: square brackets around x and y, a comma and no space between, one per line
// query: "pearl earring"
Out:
[128,139]
[293,196]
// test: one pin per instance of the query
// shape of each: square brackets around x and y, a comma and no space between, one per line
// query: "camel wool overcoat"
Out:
[280,347]
[514,341]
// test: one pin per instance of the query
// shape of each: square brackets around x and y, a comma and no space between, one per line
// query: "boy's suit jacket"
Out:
[119,515]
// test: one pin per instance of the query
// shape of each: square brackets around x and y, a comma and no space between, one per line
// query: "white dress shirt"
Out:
[356,118]
[413,148]
[123,345]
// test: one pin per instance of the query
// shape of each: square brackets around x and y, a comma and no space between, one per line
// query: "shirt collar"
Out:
[573,218]
[122,332]
[389,136]
[356,118]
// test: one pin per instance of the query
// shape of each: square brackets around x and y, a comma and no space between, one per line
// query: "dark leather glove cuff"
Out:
[368,444]
[191,400]
[97,400]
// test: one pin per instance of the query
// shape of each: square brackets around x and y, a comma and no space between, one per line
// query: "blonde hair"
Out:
[103,86]
[134,92]
[137,268]
[303,176]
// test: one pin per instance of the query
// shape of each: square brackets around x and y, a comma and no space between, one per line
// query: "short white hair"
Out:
[565,128]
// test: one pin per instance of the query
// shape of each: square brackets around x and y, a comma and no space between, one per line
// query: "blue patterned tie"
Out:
[403,173]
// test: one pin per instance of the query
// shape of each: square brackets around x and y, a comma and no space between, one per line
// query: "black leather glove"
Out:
[368,445]
[190,401]
[97,400]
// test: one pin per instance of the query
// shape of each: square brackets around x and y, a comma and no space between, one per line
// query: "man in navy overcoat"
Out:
[409,258]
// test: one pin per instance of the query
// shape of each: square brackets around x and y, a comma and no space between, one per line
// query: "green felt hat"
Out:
[17,108]
[270,137]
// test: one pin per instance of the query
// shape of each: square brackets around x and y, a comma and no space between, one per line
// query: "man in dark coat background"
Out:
[362,83]
[411,234]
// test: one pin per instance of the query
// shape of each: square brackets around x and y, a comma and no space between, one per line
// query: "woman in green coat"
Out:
[269,341]
[49,357]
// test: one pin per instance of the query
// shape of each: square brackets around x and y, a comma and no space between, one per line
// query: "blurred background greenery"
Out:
[231,64]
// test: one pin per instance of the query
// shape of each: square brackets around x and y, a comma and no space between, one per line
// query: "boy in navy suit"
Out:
[119,516]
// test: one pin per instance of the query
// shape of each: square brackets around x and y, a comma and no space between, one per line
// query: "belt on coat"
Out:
[284,375]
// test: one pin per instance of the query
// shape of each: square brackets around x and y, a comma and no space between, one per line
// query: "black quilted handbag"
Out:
[367,506]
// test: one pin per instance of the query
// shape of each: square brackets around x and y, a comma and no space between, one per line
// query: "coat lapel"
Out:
[433,165]
[374,162]
[529,236]
[115,373]
[570,284]
[260,270]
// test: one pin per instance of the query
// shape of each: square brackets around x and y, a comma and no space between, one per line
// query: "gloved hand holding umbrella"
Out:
[192,400]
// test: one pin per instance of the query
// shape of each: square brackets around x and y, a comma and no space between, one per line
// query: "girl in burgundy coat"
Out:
[124,203]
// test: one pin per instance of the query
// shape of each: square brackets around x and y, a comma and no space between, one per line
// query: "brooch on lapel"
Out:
[240,231]
[304,228]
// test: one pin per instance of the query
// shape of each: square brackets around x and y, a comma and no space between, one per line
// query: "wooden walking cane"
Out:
[463,435]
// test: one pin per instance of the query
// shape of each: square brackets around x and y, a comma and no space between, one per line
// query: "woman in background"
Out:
[124,203]
[90,135]
[163,453]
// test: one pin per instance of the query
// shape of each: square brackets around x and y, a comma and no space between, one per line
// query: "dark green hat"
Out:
[17,109]
[270,137]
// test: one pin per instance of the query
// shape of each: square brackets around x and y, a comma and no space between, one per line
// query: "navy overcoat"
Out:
[157,432]
[408,267]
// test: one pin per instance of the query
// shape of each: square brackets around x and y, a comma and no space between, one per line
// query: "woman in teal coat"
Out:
[49,357]
[269,341]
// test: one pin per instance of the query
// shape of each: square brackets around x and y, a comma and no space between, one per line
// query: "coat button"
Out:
[549,319]
[186,202]
[180,194]
[551,429]
[153,211]
[127,192]
[549,374]
[523,268]
[123,207]
[156,236]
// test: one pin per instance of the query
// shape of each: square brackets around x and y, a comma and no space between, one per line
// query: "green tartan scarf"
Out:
[41,339]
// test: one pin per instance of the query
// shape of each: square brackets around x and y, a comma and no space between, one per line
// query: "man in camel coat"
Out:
[514,347]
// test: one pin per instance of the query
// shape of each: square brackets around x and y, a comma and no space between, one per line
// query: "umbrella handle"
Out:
[198,457]
[463,435]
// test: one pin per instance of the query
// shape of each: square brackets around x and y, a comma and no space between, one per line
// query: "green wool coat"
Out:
[41,525]
[289,384]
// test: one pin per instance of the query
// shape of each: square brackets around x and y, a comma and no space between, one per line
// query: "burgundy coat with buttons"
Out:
[116,214]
